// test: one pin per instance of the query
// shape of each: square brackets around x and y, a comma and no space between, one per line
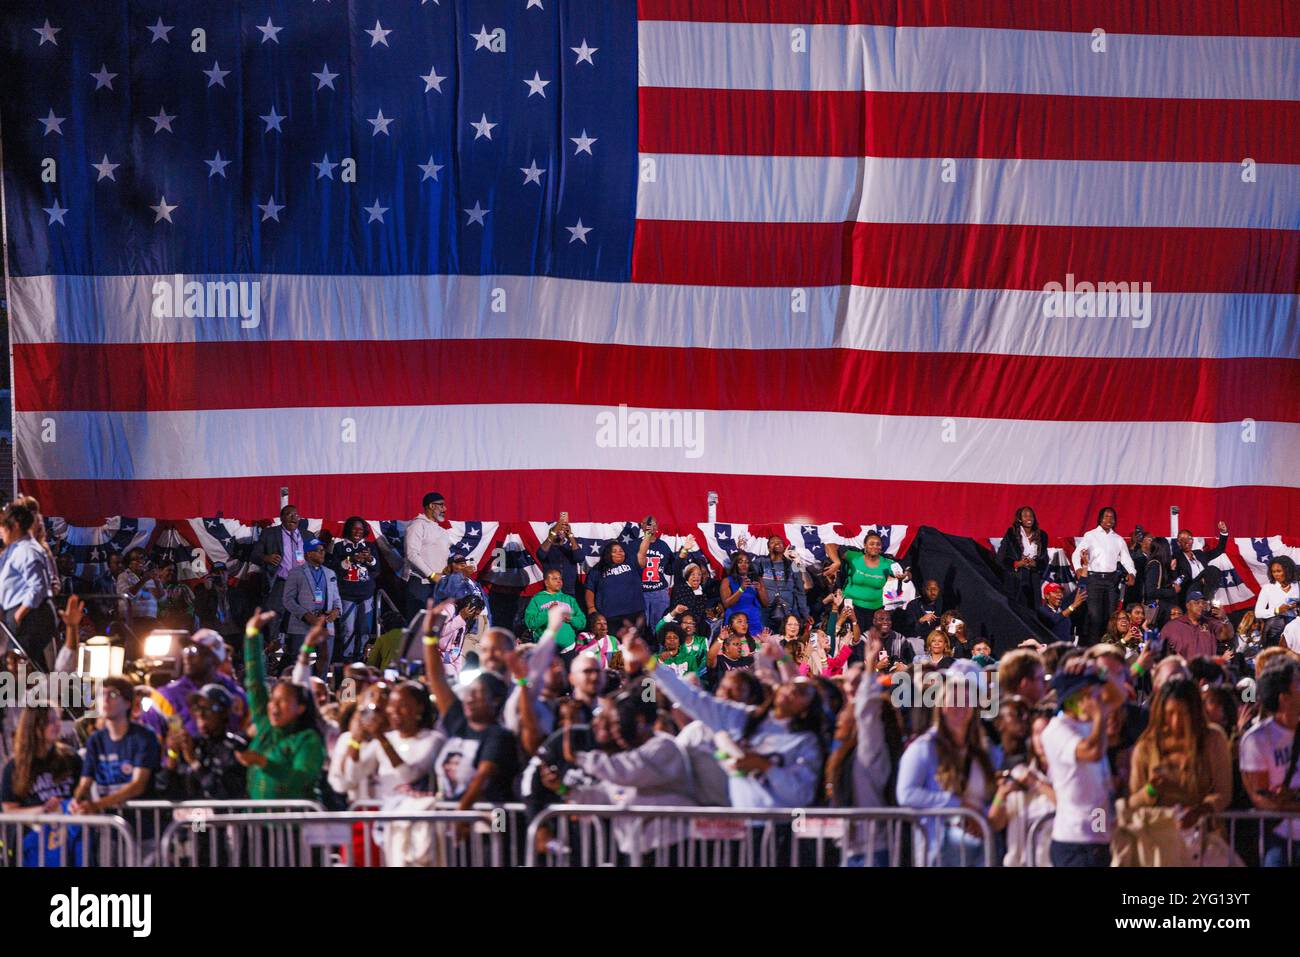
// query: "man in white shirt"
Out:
[1075,744]
[427,549]
[1097,561]
[1268,761]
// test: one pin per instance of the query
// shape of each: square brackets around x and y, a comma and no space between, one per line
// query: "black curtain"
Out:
[973,582]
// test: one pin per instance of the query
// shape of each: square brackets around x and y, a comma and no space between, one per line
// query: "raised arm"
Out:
[444,696]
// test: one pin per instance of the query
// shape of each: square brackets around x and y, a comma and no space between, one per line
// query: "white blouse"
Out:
[1271,596]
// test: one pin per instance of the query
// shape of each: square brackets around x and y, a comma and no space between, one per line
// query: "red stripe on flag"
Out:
[676,499]
[961,125]
[1262,18]
[965,256]
[240,375]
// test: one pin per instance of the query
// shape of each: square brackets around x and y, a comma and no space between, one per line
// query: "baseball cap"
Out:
[1052,588]
[311,545]
[1066,683]
[433,498]
[210,640]
[215,695]
[1195,596]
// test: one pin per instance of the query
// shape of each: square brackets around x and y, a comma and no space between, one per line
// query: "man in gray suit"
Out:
[311,594]
[279,551]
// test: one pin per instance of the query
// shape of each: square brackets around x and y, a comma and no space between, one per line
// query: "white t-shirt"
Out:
[1267,747]
[1081,789]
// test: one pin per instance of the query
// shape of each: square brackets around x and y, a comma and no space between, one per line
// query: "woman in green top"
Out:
[535,615]
[866,573]
[287,755]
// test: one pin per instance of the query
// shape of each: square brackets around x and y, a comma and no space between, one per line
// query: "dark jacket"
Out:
[1205,582]
[1011,550]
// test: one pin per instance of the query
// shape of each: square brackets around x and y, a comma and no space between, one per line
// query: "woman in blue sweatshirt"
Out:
[614,586]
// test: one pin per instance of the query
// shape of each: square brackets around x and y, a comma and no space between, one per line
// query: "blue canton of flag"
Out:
[332,138]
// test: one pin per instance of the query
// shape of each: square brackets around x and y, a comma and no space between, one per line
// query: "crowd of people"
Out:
[648,679]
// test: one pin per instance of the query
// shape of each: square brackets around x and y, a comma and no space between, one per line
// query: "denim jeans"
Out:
[1065,854]
[354,625]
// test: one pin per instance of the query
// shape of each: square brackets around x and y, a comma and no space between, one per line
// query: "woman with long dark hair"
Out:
[1159,588]
[43,771]
[742,592]
[287,755]
[949,767]
[1023,555]
[1279,599]
[774,750]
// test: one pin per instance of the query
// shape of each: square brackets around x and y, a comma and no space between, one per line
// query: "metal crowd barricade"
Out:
[66,840]
[148,819]
[618,835]
[1035,838]
[329,839]
[510,820]
[1252,834]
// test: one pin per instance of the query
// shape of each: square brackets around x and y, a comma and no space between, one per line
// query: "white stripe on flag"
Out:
[761,56]
[833,189]
[393,308]
[305,441]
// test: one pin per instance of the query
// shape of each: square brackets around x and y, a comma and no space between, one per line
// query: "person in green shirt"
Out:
[674,655]
[535,615]
[866,574]
[691,647]
[287,754]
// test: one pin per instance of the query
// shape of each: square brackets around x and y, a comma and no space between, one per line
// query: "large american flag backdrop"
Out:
[820,231]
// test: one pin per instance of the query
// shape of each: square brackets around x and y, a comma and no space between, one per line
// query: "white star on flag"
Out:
[163,210]
[584,143]
[160,31]
[534,3]
[103,79]
[325,77]
[483,128]
[430,170]
[378,34]
[269,31]
[52,123]
[578,233]
[217,166]
[163,121]
[532,174]
[46,33]
[56,214]
[105,169]
[537,85]
[380,123]
[433,81]
[270,210]
[584,52]
[476,214]
[272,120]
[482,38]
[216,76]
[376,211]
[325,167]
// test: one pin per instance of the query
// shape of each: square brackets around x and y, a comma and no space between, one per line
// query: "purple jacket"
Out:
[177,694]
